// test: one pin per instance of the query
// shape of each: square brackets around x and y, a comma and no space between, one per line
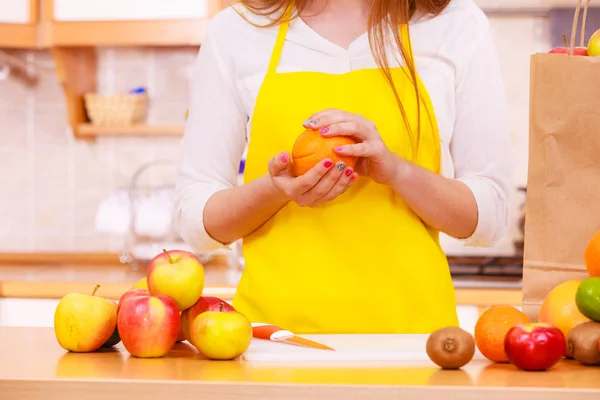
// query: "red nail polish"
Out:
[348,172]
[284,158]
[354,177]
[328,164]
[324,129]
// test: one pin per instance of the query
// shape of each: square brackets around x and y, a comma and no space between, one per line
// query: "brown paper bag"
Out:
[563,190]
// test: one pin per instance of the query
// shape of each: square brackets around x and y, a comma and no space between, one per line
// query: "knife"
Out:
[277,334]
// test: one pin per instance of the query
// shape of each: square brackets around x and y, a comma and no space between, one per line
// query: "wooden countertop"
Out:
[35,367]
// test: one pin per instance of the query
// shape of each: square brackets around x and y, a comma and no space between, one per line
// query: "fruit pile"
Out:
[158,311]
[569,326]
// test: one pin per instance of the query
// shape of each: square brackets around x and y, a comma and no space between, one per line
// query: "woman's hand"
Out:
[322,183]
[376,159]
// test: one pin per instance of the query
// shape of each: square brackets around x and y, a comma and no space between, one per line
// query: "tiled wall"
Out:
[52,184]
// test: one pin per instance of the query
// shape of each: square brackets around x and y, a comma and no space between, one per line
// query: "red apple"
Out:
[148,325]
[177,274]
[577,51]
[535,346]
[130,294]
[181,336]
[204,303]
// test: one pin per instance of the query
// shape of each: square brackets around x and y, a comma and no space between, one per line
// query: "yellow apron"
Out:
[363,263]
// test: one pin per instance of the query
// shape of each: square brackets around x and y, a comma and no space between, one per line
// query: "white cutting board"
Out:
[369,347]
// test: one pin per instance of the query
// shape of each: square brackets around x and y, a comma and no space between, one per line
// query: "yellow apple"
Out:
[594,44]
[141,284]
[221,335]
[204,303]
[177,274]
[83,323]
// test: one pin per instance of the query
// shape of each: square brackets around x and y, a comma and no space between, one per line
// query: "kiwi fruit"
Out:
[584,343]
[450,347]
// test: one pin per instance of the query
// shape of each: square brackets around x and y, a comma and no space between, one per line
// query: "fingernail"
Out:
[348,172]
[328,164]
[341,165]
[354,177]
[339,148]
[324,129]
[309,122]
[284,157]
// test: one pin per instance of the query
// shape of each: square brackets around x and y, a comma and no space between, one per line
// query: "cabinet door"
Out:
[17,11]
[130,10]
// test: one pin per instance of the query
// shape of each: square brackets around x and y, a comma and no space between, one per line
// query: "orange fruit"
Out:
[491,328]
[592,255]
[310,148]
[560,309]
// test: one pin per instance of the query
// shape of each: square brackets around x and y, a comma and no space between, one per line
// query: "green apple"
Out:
[594,44]
[177,274]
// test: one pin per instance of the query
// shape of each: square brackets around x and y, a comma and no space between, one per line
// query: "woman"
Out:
[339,250]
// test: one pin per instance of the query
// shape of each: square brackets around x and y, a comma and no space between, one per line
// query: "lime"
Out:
[587,298]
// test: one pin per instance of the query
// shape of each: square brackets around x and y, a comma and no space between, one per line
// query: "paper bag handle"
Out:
[583,21]
[575,24]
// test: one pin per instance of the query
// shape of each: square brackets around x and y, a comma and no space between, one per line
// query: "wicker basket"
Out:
[122,109]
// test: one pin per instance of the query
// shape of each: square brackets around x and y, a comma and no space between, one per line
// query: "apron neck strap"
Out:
[281,34]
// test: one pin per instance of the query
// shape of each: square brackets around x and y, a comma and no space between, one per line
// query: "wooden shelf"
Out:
[126,33]
[73,45]
[22,36]
[133,130]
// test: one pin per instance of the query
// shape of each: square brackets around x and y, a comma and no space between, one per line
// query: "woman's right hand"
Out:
[322,183]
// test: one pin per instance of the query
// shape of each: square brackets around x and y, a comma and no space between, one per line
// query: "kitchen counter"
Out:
[35,367]
[480,296]
[53,275]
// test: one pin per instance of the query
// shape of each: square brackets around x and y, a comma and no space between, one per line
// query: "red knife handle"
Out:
[268,332]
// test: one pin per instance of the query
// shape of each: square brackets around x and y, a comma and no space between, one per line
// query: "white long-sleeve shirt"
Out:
[455,58]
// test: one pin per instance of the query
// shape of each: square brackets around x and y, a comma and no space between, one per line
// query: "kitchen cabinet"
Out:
[119,10]
[15,11]
[128,23]
[18,23]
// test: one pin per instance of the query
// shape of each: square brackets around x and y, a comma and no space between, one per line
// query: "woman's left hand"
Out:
[376,159]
